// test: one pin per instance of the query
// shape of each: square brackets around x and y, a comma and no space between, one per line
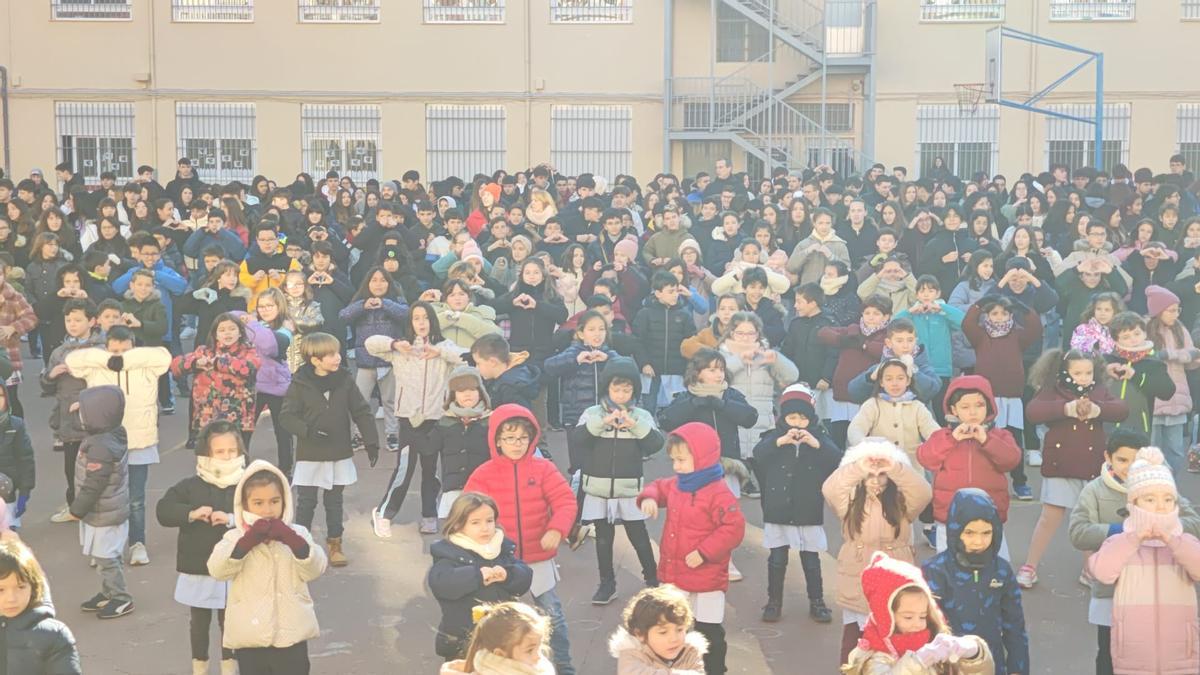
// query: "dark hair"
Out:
[891,500]
[364,290]
[435,331]
[1125,321]
[901,325]
[929,281]
[491,346]
[106,304]
[879,302]
[953,399]
[661,280]
[222,318]
[703,358]
[1125,437]
[523,423]
[218,428]
[77,305]
[811,292]
[754,275]
[587,316]
[261,478]
[118,334]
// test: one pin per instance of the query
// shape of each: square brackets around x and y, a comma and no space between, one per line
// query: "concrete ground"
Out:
[377,616]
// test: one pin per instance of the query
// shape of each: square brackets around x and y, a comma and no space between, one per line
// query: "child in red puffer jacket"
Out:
[704,525]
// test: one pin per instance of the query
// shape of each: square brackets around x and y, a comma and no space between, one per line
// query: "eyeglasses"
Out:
[745,333]
[514,440]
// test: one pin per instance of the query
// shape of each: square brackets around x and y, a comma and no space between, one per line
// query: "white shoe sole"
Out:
[377,525]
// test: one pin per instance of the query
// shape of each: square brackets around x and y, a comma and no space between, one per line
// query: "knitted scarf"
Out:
[896,644]
[488,550]
[997,330]
[1136,354]
[692,482]
[1112,480]
[831,285]
[868,331]
[1140,520]
[889,286]
[221,472]
[700,389]
[1069,384]
[466,415]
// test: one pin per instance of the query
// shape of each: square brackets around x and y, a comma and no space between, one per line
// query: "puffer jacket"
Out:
[961,464]
[1092,337]
[866,662]
[462,447]
[273,376]
[532,495]
[254,618]
[36,643]
[814,359]
[519,384]
[855,354]
[875,532]
[908,424]
[662,330]
[1180,358]
[708,521]
[153,315]
[196,539]
[457,585]
[791,476]
[136,372]
[102,466]
[705,337]
[729,414]
[308,318]
[465,327]
[420,383]
[532,330]
[41,277]
[978,593]
[635,657]
[318,410]
[760,382]
[1154,603]
[225,391]
[66,388]
[386,320]
[16,453]
[579,386]
[1150,382]
[333,298]
[612,458]
[1071,448]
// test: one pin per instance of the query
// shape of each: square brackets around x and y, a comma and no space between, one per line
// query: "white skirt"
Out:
[201,590]
[1009,413]
[325,474]
[835,411]
[1062,492]
[1100,611]
[104,542]
[708,607]
[850,616]
[611,510]
[809,538]
[446,501]
[545,577]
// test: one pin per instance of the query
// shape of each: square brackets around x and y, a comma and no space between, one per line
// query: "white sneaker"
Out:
[1034,458]
[187,333]
[138,555]
[734,573]
[63,516]
[379,413]
[382,526]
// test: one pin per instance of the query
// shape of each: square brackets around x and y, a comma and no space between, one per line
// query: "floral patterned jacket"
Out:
[226,389]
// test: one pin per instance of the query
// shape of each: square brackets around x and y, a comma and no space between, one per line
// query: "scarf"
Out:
[488,551]
[1136,354]
[699,389]
[868,331]
[1067,383]
[1140,520]
[221,472]
[908,395]
[896,644]
[831,285]
[467,414]
[488,662]
[997,330]
[889,286]
[1111,479]
[692,482]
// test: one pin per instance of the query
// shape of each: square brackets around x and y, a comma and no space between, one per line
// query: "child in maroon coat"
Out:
[704,525]
[860,346]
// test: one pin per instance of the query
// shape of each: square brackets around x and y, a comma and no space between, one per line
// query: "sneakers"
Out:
[429,525]
[1034,458]
[138,555]
[772,612]
[1027,576]
[1193,459]
[1023,492]
[357,444]
[819,612]
[187,333]
[167,410]
[191,444]
[750,489]
[379,413]
[1084,580]
[393,443]
[94,605]
[382,526]
[930,532]
[606,592]
[734,573]
[115,609]
[199,667]
[579,535]
[63,516]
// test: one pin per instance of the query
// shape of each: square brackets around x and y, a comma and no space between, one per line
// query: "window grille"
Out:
[96,137]
[462,140]
[342,138]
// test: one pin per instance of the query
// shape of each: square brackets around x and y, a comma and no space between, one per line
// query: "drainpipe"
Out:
[4,114]
[668,74]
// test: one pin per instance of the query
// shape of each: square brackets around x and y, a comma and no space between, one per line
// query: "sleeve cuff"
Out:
[1115,529]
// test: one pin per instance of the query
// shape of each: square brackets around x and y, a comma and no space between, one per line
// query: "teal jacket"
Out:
[933,331]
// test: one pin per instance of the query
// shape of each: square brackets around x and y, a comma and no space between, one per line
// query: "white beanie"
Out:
[1149,471]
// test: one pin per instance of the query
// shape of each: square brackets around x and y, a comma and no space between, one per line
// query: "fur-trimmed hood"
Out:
[636,658]
[875,446]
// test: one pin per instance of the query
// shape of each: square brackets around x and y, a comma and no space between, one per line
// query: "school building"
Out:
[374,87]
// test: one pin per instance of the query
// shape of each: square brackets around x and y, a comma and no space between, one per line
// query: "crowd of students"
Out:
[896,351]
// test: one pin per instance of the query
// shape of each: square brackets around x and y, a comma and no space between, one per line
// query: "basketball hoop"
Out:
[969,96]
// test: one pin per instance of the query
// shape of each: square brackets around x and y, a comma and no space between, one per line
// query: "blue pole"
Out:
[1099,154]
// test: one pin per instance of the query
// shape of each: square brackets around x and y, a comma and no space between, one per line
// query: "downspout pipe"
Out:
[4,114]
[668,74]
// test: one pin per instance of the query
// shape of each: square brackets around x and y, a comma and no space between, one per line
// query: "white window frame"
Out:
[1191,10]
[107,127]
[1117,123]
[212,11]
[946,125]
[1093,10]
[464,11]
[344,126]
[591,11]
[91,10]
[962,11]
[592,139]
[338,11]
[226,132]
[462,140]
[1187,133]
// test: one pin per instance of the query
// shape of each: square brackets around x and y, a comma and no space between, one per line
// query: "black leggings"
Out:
[14,403]
[283,440]
[810,562]
[714,660]
[201,620]
[274,660]
[1104,664]
[70,451]
[1018,474]
[606,533]
[414,438]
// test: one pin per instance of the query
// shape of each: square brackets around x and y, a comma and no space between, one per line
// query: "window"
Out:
[839,154]
[1091,10]
[96,137]
[464,11]
[212,10]
[342,138]
[591,138]
[703,155]
[591,11]
[962,10]
[1188,133]
[339,11]
[463,140]
[839,117]
[218,138]
[1191,11]
[1073,143]
[966,142]
[739,39]
[111,10]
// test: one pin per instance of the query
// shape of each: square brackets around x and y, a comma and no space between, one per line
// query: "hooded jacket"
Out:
[611,458]
[35,642]
[66,388]
[635,657]
[1150,383]
[457,585]
[729,414]
[532,495]
[1073,448]
[318,410]
[708,521]
[969,463]
[791,476]
[136,372]
[532,329]
[102,466]
[197,538]
[273,376]
[420,383]
[978,592]
[254,618]
[580,385]
[385,320]
[519,385]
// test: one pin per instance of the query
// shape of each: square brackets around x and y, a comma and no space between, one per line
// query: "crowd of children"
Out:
[893,352]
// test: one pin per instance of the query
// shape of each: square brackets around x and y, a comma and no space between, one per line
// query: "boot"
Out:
[199,667]
[773,610]
[819,612]
[228,667]
[336,557]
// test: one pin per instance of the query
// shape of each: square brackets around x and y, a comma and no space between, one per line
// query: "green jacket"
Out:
[153,315]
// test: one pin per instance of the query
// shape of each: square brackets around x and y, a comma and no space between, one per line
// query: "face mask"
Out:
[221,472]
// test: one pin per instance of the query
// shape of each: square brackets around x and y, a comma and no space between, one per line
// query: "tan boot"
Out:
[199,667]
[228,667]
[336,557]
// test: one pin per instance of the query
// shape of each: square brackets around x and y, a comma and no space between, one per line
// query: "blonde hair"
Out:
[501,627]
[274,295]
[463,507]
[318,346]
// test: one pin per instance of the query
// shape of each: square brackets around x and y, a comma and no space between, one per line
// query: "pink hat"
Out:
[471,250]
[627,247]
[1158,299]
[1149,470]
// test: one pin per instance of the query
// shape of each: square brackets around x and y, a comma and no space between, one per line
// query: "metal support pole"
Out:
[4,113]
[1099,152]
[668,78]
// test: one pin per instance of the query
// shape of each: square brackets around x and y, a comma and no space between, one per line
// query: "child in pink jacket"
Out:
[1155,566]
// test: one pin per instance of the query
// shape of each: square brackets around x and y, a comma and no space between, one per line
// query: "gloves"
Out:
[963,647]
[205,294]
[22,501]
[257,534]
[947,648]
[373,454]
[116,363]
[282,533]
[114,259]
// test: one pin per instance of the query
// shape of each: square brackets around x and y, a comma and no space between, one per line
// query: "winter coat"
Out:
[578,384]
[307,317]
[902,295]
[226,390]
[631,286]
[254,618]
[729,414]
[1154,603]
[420,383]
[333,298]
[273,376]
[153,316]
[961,299]
[662,329]
[959,241]
[969,463]
[760,382]
[1150,381]
[979,594]
[465,327]
[166,280]
[462,449]
[36,643]
[15,311]
[611,458]
[66,388]
[940,335]
[708,521]
[136,372]
[226,239]
[520,384]
[1180,358]
[875,532]
[1071,448]
[257,261]
[41,277]
[1092,336]
[196,539]
[1004,362]
[532,330]
[385,320]
[866,662]
[457,585]
[791,476]
[102,466]
[16,455]
[815,360]
[855,354]
[772,317]
[532,495]
[206,312]
[706,337]
[908,424]
[635,657]
[1074,296]
[318,412]
[809,266]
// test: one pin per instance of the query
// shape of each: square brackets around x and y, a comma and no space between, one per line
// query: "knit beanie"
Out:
[626,247]
[1149,471]
[471,250]
[1158,299]
[882,580]
[797,398]
[689,243]
[494,189]
[463,378]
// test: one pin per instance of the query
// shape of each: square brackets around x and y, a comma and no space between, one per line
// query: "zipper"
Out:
[517,502]
[1156,622]
[666,337]
[612,468]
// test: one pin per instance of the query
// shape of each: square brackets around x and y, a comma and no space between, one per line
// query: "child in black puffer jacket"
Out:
[34,642]
[709,399]
[460,437]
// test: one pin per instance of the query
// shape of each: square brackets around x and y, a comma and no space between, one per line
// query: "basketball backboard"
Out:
[992,74]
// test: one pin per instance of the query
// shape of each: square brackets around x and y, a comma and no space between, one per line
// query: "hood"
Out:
[256,466]
[101,408]
[975,383]
[507,412]
[307,375]
[155,296]
[35,614]
[972,504]
[704,442]
[621,366]
[527,378]
[875,446]
[623,641]
[882,579]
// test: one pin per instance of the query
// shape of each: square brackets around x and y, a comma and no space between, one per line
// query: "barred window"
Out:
[96,137]
[464,11]
[957,11]
[463,140]
[592,138]
[838,116]
[1074,143]
[91,10]
[1092,10]
[342,138]
[591,11]
[967,142]
[338,11]
[1188,133]
[218,138]
[222,11]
